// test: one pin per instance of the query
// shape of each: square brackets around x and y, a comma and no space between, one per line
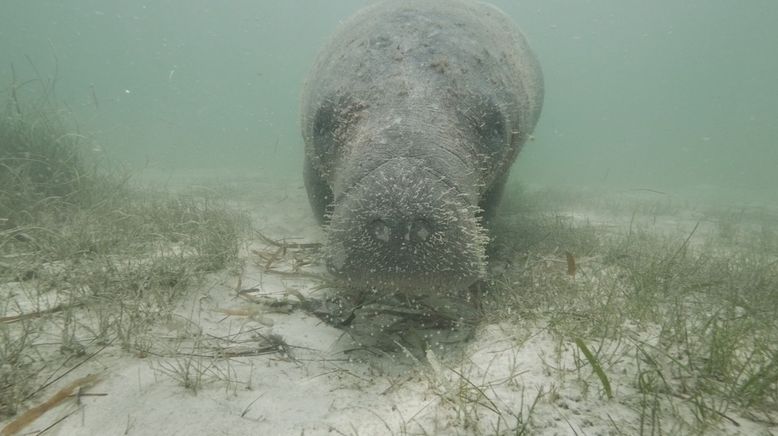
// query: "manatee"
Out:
[411,116]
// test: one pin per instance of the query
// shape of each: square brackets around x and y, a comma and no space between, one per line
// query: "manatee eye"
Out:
[324,127]
[489,124]
[334,123]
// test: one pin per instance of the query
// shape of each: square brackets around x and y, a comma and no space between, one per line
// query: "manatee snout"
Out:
[405,226]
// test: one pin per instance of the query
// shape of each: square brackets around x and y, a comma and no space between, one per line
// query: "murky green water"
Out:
[667,95]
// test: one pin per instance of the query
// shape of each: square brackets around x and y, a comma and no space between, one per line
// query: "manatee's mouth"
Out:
[404,228]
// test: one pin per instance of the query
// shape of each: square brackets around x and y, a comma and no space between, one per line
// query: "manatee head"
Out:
[404,190]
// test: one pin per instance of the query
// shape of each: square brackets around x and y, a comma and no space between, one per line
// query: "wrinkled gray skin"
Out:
[412,116]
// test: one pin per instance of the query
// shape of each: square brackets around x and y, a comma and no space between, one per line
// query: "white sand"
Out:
[317,389]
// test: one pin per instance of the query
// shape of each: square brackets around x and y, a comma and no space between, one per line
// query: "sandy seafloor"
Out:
[314,387]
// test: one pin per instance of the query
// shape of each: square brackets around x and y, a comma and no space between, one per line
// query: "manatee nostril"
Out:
[420,230]
[380,230]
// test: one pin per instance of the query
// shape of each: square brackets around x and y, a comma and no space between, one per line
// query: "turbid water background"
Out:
[678,97]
